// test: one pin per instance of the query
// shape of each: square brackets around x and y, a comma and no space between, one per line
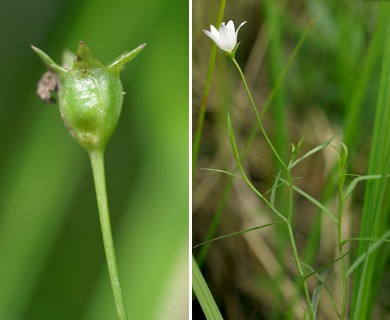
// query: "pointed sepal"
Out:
[85,59]
[50,64]
[125,58]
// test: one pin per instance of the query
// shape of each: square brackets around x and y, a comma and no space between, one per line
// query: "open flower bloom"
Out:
[226,37]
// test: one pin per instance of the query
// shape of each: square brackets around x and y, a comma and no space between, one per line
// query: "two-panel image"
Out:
[224,159]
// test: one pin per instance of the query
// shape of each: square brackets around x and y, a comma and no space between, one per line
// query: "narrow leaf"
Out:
[311,152]
[315,299]
[355,181]
[222,171]
[239,232]
[315,202]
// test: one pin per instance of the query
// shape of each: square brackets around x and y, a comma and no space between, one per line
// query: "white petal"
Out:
[222,27]
[230,25]
[214,31]
[227,38]
[215,38]
[240,27]
[209,34]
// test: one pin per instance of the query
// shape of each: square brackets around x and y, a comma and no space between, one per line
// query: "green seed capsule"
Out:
[90,96]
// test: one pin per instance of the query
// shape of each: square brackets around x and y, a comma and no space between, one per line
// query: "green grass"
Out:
[325,92]
[376,204]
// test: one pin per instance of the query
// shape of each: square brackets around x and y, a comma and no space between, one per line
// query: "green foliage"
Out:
[376,212]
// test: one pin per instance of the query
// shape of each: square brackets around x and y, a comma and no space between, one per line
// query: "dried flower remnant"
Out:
[48,87]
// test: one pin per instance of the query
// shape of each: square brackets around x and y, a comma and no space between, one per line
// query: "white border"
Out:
[190,158]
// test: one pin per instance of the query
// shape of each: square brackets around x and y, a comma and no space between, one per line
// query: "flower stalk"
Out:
[226,40]
[90,101]
[97,163]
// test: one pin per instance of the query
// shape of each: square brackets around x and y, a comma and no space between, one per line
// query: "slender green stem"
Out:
[342,162]
[244,176]
[281,162]
[289,176]
[258,116]
[300,270]
[342,260]
[97,162]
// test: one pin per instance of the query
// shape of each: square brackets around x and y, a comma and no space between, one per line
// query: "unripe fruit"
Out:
[90,96]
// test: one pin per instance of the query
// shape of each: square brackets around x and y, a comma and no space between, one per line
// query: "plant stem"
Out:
[258,116]
[97,162]
[281,162]
[290,205]
[343,265]
[342,165]
[300,270]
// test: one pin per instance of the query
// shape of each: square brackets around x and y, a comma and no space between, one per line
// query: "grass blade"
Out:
[355,181]
[363,256]
[375,215]
[203,294]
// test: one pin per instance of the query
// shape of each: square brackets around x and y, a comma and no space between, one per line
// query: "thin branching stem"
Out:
[290,184]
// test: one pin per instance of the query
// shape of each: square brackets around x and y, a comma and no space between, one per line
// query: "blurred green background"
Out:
[52,259]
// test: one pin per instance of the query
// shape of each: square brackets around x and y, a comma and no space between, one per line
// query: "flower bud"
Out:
[90,96]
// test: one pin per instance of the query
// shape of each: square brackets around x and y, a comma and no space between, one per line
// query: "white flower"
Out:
[226,37]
